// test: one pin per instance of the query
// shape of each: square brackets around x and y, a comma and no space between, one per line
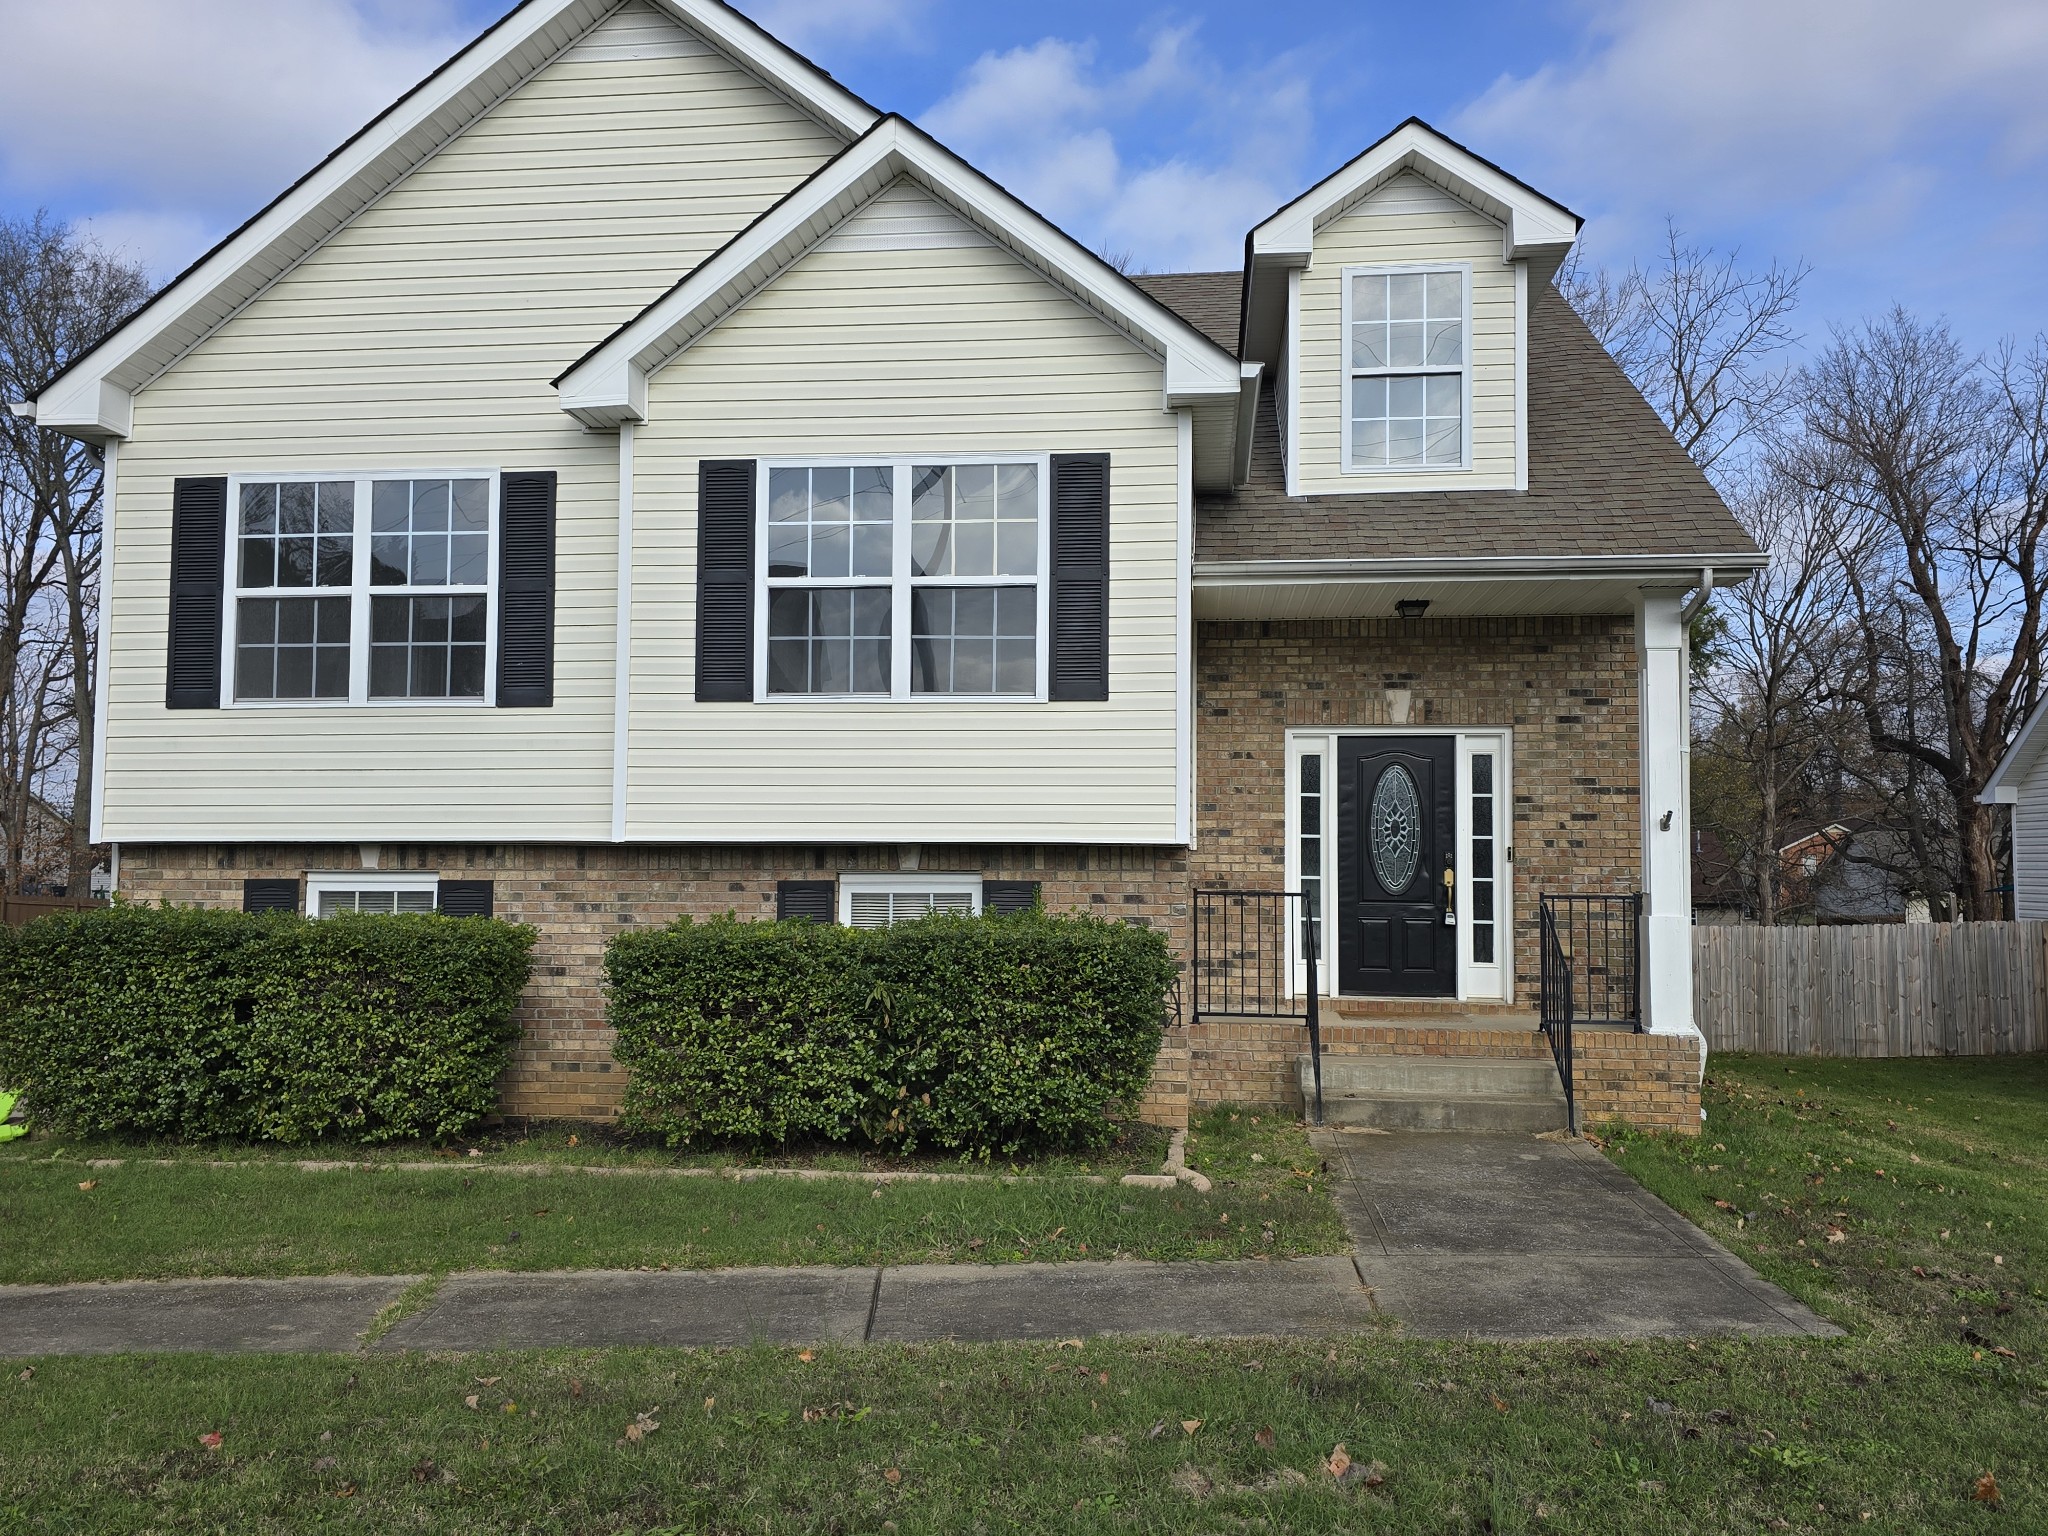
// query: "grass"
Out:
[262,1216]
[1892,1428]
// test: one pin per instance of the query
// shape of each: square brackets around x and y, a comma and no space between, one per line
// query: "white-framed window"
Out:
[361,589]
[910,579]
[371,890]
[876,901]
[1407,381]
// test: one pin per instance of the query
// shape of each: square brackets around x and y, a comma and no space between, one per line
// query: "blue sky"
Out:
[1900,147]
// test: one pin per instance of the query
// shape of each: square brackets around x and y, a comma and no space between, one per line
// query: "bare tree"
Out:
[1946,461]
[1701,336]
[1769,710]
[59,293]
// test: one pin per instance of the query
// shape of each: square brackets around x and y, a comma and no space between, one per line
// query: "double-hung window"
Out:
[903,580]
[1406,349]
[367,590]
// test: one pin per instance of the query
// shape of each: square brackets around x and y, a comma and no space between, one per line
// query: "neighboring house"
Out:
[634,476]
[2021,781]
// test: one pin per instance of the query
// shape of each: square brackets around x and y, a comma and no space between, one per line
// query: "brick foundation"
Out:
[578,896]
[1564,686]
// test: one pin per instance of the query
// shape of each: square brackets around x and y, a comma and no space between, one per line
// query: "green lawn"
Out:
[1888,1429]
[185,1216]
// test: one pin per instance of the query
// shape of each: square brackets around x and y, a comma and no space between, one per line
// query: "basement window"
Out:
[369,890]
[876,901]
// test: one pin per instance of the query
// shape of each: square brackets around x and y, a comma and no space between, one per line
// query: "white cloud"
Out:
[202,109]
[1748,106]
[805,24]
[1045,121]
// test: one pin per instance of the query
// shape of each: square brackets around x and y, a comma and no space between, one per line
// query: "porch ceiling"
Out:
[1302,590]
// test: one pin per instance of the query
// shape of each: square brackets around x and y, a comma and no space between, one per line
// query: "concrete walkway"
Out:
[1458,1236]
[1511,1237]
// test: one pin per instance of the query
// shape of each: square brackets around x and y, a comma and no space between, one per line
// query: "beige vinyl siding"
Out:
[1407,222]
[424,335]
[861,351]
[2030,843]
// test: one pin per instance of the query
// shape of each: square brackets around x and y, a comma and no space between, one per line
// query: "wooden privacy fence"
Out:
[1890,989]
[16,910]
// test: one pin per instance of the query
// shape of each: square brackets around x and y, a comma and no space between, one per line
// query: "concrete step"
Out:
[1438,1093]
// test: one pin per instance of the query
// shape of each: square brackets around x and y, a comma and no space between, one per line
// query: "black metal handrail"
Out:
[1600,939]
[1554,986]
[1241,963]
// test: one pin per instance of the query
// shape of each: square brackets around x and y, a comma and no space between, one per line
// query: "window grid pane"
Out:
[974,520]
[974,640]
[332,901]
[427,647]
[291,648]
[827,640]
[430,533]
[1310,811]
[831,523]
[296,533]
[1480,878]
[1400,322]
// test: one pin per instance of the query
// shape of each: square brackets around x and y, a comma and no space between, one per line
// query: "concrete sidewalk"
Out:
[1512,1237]
[1457,1236]
[917,1303]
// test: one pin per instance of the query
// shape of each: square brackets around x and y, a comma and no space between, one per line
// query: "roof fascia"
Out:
[1533,227]
[1657,570]
[2003,787]
[609,385]
[93,397]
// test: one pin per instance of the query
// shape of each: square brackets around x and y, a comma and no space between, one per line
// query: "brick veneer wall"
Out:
[1565,686]
[579,896]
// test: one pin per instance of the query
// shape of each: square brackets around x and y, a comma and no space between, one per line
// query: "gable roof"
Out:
[1606,479]
[1532,226]
[608,385]
[92,397]
[2003,787]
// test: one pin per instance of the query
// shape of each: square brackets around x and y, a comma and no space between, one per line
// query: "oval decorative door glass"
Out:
[1395,819]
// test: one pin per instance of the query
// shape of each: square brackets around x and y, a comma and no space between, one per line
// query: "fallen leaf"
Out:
[325,1463]
[807,1355]
[510,1408]
[891,1475]
[88,1183]
[572,1141]
[28,1373]
[345,1491]
[487,1381]
[1339,1461]
[469,1402]
[1986,1491]
[1264,1438]
[1500,1405]
[1837,1235]
[1156,1430]
[635,1433]
[1070,1344]
[211,1439]
[423,1469]
[1189,1426]
[708,1402]
[575,1387]
[1102,1378]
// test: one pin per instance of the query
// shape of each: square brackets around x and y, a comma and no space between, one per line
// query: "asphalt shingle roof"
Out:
[1605,475]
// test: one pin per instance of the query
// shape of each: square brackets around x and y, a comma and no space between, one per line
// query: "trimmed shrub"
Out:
[969,1034]
[178,1021]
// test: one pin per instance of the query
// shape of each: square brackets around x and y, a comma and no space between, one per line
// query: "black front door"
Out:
[1395,836]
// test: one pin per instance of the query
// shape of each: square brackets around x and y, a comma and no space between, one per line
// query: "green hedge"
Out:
[178,1021]
[971,1034]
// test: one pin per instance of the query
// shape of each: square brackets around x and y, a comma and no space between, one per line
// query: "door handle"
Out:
[1450,895]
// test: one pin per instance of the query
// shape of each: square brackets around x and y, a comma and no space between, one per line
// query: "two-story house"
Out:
[633,476]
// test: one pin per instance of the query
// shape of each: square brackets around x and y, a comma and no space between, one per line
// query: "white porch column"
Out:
[1664,750]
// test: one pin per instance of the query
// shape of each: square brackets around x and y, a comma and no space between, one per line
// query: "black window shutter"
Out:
[199,532]
[270,895]
[725,583]
[1005,896]
[817,900]
[526,590]
[464,898]
[1080,576]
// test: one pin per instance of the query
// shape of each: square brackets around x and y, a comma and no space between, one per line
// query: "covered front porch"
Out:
[1461,803]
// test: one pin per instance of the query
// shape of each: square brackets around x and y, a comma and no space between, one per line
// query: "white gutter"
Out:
[1659,568]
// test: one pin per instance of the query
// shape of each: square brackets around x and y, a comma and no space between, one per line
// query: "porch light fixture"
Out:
[1412,607]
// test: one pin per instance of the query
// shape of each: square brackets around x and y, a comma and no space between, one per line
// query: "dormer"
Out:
[1390,304]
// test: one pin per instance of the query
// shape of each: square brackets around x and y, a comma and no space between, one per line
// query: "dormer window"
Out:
[1407,351]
